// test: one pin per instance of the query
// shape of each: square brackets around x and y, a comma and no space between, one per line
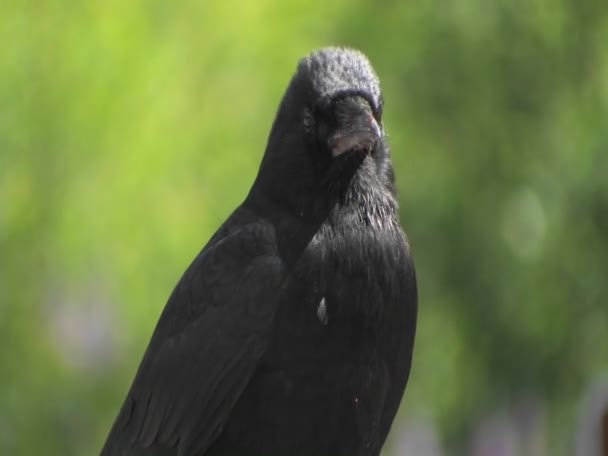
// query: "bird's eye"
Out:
[307,120]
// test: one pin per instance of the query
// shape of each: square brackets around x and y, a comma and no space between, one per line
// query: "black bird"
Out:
[291,333]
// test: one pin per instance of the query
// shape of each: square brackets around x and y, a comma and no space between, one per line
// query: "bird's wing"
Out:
[205,348]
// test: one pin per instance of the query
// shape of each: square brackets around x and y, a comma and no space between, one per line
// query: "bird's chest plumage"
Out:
[322,385]
[325,373]
[351,272]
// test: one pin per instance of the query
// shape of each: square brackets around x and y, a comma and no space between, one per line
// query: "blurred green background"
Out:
[130,130]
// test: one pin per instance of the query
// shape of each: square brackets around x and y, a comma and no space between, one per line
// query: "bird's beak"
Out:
[360,133]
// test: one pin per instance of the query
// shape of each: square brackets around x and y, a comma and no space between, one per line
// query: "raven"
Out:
[291,333]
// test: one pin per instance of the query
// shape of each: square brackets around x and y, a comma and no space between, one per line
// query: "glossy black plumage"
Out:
[292,331]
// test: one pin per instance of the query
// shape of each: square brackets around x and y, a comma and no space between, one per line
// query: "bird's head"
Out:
[339,103]
[328,125]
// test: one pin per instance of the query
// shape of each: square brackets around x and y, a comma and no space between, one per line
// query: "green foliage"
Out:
[129,131]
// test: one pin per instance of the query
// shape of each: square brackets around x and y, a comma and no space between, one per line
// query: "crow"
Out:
[291,333]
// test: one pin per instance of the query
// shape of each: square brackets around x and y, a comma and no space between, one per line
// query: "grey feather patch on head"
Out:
[322,312]
[333,70]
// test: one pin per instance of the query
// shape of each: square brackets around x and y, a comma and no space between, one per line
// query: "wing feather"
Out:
[205,347]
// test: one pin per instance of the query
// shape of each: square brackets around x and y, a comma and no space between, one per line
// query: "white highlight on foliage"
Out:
[524,224]
[518,429]
[81,330]
[593,411]
[417,435]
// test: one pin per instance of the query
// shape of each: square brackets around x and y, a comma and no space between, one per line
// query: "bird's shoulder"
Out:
[207,343]
[239,260]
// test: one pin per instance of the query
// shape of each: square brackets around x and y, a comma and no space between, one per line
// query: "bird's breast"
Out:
[358,270]
[346,285]
[326,346]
